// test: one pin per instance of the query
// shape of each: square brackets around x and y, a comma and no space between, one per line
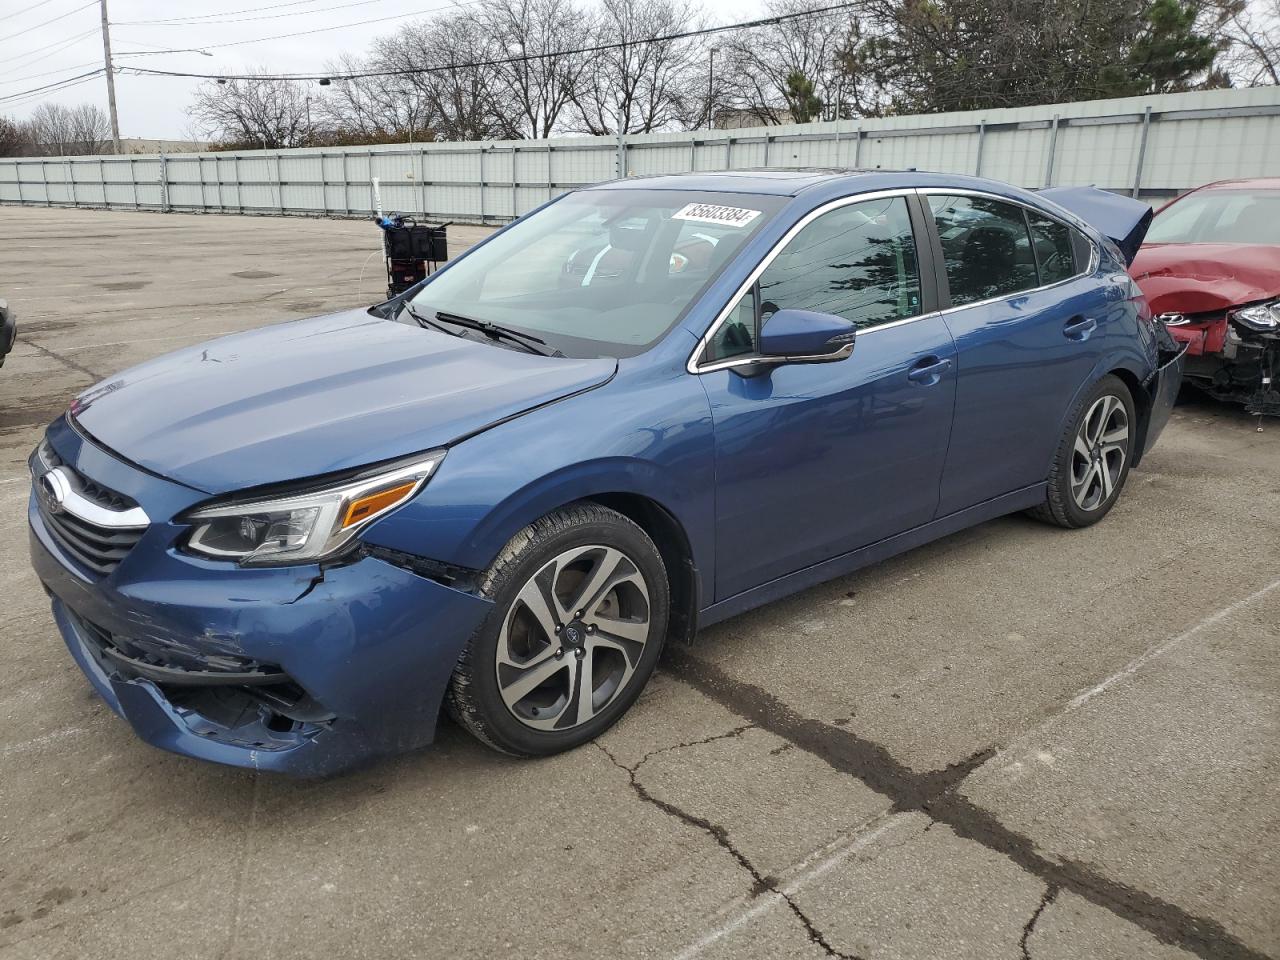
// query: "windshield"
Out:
[600,272]
[1220,216]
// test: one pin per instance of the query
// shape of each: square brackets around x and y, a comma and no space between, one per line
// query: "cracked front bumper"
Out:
[323,669]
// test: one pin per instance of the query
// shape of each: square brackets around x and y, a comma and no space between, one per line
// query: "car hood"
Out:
[316,396]
[1202,277]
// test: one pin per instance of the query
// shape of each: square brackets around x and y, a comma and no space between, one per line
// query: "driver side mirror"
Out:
[803,336]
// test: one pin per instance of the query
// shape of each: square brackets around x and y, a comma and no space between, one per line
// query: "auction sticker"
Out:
[713,213]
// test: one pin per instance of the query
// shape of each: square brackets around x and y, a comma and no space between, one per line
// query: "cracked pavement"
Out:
[1017,742]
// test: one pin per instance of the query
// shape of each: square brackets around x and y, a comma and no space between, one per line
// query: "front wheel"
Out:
[1092,461]
[580,613]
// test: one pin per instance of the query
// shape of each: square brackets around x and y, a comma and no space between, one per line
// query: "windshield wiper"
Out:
[425,321]
[496,331]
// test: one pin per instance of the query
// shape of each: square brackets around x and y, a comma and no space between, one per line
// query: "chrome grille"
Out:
[95,526]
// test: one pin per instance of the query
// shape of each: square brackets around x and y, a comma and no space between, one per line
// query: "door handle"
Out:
[928,371]
[1079,328]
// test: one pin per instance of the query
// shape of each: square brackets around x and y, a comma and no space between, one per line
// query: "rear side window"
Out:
[986,246]
[1051,240]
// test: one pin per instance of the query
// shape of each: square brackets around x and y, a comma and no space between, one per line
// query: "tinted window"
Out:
[857,262]
[1051,240]
[987,248]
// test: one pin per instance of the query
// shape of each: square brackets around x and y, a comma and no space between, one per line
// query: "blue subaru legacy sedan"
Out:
[642,408]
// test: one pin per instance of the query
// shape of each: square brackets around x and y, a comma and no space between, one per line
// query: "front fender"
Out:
[647,434]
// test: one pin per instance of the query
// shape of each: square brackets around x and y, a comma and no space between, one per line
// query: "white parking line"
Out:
[1080,699]
[765,902]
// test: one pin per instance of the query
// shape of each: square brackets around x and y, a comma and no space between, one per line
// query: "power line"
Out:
[60,44]
[206,19]
[227,13]
[91,3]
[52,87]
[47,73]
[18,13]
[524,58]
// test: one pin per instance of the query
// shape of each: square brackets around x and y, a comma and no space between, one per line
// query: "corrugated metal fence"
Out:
[1149,146]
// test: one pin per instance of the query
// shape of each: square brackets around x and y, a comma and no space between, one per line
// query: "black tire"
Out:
[475,699]
[1061,505]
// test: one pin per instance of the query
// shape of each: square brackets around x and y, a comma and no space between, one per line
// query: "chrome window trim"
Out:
[700,348]
[1094,258]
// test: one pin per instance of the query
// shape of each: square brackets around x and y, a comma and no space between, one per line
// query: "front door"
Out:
[816,460]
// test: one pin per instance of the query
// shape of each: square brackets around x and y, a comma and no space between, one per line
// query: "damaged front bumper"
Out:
[301,670]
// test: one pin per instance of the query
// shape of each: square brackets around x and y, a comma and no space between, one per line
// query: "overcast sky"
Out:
[34,52]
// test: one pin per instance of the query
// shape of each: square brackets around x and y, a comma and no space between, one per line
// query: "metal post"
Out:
[279,185]
[164,183]
[728,153]
[982,136]
[1053,147]
[44,177]
[133,181]
[767,140]
[621,159]
[102,178]
[346,185]
[693,153]
[71,183]
[111,82]
[1142,152]
[235,173]
[857,149]
[422,179]
[837,163]
[482,216]
[550,179]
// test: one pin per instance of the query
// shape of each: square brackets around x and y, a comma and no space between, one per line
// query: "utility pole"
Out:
[111,79]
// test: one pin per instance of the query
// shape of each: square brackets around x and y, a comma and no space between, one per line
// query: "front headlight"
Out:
[1260,317]
[304,527]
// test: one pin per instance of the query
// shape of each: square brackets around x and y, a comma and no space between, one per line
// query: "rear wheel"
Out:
[580,612]
[1091,463]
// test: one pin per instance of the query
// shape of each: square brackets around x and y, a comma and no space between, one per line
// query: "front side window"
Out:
[986,247]
[601,272]
[857,261]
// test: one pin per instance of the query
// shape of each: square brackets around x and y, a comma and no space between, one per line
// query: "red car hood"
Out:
[1200,277]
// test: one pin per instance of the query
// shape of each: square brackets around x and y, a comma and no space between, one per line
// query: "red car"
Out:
[1210,268]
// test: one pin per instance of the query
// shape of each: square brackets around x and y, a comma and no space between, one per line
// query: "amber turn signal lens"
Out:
[367,506]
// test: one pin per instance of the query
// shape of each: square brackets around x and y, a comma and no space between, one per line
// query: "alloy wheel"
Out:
[572,638]
[1098,456]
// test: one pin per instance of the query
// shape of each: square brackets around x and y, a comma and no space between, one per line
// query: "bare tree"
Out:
[1252,32]
[539,79]
[268,113]
[374,109]
[15,137]
[461,97]
[773,74]
[52,129]
[90,128]
[646,83]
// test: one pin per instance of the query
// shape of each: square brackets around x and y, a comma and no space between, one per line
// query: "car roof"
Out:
[779,182]
[1255,183]
[818,183]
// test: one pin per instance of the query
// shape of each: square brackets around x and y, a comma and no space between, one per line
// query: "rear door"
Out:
[1029,324]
